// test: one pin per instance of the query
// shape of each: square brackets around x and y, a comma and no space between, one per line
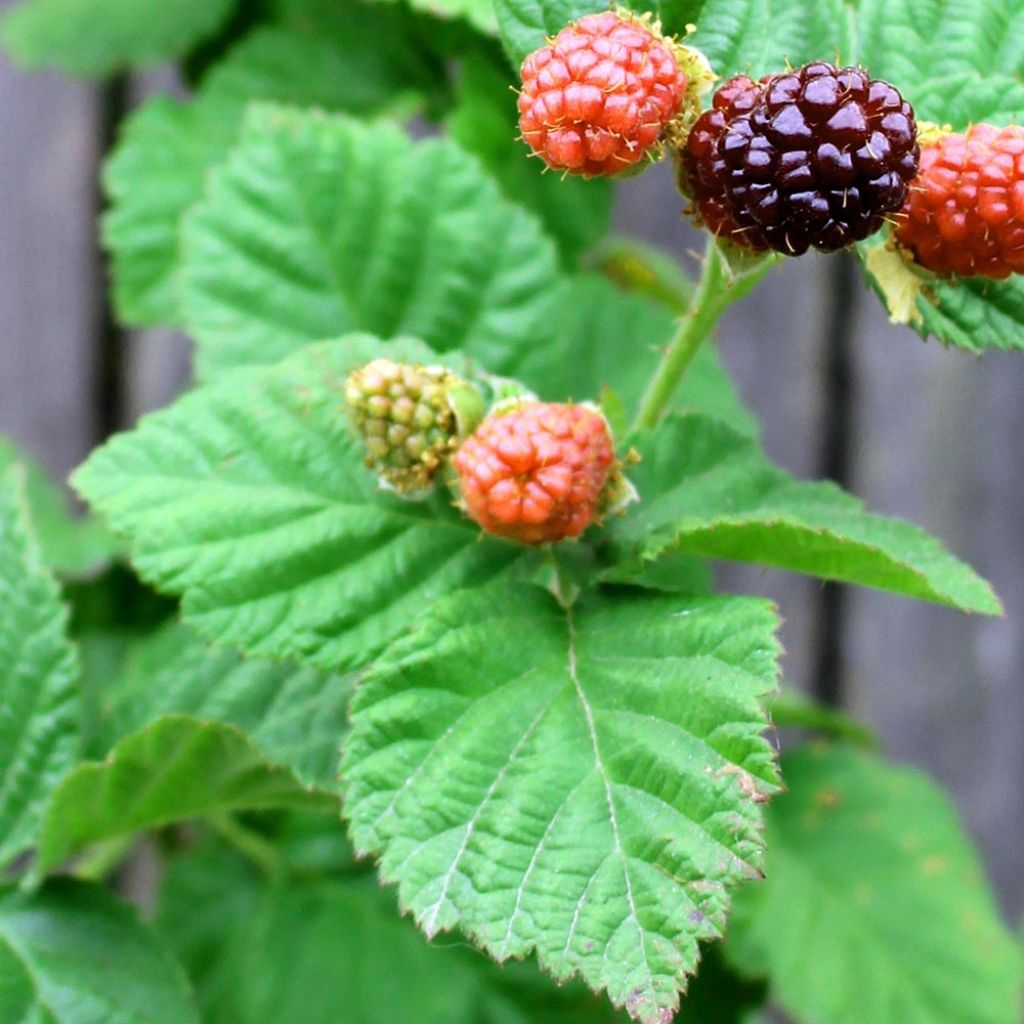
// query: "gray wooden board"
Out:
[49,271]
[938,441]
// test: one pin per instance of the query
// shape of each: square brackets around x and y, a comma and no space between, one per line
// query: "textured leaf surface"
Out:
[299,948]
[608,338]
[765,36]
[319,225]
[249,498]
[72,954]
[71,545]
[176,768]
[963,99]
[576,213]
[754,36]
[319,52]
[909,43]
[524,24]
[585,785]
[874,909]
[153,175]
[39,699]
[320,55]
[295,715]
[708,491]
[97,37]
[976,313]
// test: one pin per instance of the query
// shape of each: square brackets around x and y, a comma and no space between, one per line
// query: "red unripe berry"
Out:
[965,211]
[597,98]
[535,473]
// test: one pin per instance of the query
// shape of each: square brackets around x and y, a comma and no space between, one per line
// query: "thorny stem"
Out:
[717,289]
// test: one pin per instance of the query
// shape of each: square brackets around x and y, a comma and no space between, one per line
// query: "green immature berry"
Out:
[411,419]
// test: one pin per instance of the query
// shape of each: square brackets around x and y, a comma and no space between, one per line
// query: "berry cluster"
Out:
[965,213]
[816,157]
[599,97]
[819,157]
[531,472]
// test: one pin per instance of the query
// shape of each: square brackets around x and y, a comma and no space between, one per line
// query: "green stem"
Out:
[716,291]
[254,847]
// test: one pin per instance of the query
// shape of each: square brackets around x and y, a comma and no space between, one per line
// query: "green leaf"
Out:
[577,213]
[326,54]
[72,954]
[99,37]
[910,43]
[177,767]
[611,338]
[524,24]
[153,175]
[751,36]
[39,725]
[296,716]
[327,57]
[249,498]
[71,545]
[637,267]
[963,99]
[759,37]
[706,490]
[874,909]
[585,784]
[319,225]
[297,948]
[975,313]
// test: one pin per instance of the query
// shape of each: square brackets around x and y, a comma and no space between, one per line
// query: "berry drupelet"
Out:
[597,99]
[965,211]
[535,473]
[816,157]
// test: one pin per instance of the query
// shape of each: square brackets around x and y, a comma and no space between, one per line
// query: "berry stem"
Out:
[717,290]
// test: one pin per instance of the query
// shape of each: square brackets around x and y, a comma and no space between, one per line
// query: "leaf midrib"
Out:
[603,772]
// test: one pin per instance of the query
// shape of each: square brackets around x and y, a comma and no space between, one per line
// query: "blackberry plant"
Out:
[412,586]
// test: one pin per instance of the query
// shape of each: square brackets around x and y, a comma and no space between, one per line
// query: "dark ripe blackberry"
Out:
[815,158]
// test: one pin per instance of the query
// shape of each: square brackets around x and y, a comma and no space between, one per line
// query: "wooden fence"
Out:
[932,435]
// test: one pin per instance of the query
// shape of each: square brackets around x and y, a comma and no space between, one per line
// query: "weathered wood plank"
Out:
[938,442]
[49,278]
